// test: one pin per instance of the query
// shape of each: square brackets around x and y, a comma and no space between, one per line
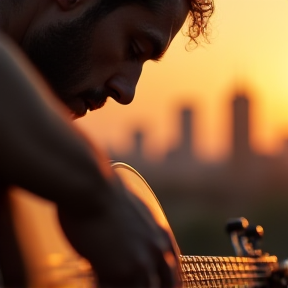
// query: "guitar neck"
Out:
[228,272]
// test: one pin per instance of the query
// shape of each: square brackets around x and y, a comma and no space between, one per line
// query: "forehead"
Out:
[161,21]
[175,10]
[170,12]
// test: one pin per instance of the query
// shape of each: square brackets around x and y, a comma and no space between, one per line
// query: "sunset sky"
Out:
[248,49]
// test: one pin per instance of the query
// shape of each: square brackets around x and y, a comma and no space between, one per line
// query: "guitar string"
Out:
[205,271]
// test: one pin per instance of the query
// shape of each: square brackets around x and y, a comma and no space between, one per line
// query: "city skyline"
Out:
[240,135]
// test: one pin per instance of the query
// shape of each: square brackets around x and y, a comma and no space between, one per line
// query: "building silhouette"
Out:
[186,143]
[184,151]
[138,149]
[241,151]
[243,170]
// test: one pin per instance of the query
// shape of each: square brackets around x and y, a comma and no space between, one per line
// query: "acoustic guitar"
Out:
[249,268]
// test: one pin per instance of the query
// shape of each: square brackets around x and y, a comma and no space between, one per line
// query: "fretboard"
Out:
[228,272]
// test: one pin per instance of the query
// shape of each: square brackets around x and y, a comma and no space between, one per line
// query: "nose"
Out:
[122,86]
[120,91]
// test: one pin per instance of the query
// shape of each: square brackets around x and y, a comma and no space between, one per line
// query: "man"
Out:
[86,51]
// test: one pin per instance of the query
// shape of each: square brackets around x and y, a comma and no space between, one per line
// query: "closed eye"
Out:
[134,51]
[138,52]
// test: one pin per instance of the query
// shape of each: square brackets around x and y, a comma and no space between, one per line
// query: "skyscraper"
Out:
[186,132]
[241,142]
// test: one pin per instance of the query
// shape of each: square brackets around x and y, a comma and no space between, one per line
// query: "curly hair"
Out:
[200,12]
[199,15]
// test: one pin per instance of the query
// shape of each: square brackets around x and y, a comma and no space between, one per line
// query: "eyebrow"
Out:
[158,43]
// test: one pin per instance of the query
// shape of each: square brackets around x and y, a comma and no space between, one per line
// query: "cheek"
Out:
[108,49]
[106,60]
[104,66]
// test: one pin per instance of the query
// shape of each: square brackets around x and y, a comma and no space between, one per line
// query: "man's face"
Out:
[87,61]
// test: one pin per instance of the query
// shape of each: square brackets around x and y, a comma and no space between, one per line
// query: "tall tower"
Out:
[186,132]
[183,153]
[138,143]
[241,143]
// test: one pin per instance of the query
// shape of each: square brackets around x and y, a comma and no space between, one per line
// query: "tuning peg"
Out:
[236,228]
[236,224]
[254,234]
[254,231]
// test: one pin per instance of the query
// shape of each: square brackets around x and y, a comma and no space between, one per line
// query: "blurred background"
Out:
[208,128]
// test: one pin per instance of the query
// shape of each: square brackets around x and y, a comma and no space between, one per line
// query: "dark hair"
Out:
[199,14]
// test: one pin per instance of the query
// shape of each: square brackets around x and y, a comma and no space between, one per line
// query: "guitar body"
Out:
[52,262]
[137,185]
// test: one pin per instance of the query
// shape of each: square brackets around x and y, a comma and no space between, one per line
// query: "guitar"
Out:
[202,271]
[253,269]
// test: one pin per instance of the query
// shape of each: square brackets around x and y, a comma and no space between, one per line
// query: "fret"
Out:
[226,272]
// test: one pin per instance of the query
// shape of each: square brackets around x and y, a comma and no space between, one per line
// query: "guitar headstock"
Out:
[246,239]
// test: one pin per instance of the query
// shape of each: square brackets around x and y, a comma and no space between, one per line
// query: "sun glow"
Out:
[248,46]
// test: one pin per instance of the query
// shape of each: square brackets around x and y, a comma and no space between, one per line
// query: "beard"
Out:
[61,53]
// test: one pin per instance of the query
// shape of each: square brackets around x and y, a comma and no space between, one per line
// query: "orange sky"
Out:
[249,44]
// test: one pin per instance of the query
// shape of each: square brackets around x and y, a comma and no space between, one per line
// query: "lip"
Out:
[77,108]
[78,113]
[92,104]
[87,100]
[81,111]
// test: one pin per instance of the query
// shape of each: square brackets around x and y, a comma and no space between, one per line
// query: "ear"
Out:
[68,4]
